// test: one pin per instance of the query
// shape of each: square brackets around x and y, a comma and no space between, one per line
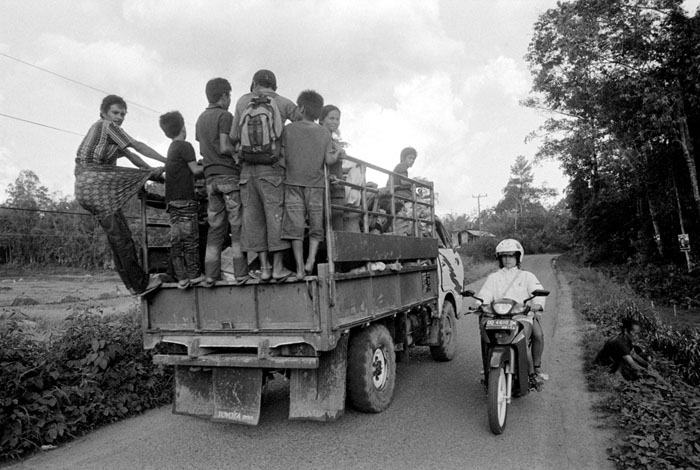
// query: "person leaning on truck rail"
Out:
[102,188]
[408,158]
[345,170]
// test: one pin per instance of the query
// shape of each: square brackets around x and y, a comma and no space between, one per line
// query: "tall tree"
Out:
[616,76]
[520,193]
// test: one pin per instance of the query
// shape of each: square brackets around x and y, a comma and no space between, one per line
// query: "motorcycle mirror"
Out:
[540,293]
[468,293]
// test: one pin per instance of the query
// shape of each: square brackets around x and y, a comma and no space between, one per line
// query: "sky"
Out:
[445,77]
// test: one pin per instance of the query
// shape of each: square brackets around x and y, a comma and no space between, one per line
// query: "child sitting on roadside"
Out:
[306,146]
[180,170]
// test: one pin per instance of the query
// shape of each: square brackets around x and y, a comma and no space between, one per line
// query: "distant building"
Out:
[465,237]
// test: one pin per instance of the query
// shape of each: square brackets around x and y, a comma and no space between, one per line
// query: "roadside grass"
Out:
[658,419]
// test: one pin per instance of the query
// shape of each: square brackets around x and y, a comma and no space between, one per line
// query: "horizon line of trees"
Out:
[37,228]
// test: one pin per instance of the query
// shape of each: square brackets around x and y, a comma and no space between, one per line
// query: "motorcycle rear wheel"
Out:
[497,403]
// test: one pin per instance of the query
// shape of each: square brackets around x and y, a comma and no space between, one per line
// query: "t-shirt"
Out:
[179,179]
[401,169]
[288,111]
[304,148]
[213,121]
[103,144]
[613,351]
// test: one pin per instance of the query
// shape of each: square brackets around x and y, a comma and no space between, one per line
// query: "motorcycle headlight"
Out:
[518,308]
[501,308]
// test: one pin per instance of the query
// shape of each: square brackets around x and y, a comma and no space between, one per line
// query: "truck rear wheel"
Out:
[447,342]
[371,369]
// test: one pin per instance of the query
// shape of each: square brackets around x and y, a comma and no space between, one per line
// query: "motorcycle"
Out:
[505,354]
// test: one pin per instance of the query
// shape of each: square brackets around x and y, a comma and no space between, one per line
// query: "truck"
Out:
[336,336]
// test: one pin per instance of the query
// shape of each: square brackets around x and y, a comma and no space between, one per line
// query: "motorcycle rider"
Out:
[513,283]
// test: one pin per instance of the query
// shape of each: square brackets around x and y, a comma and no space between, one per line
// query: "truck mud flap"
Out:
[228,394]
[193,391]
[319,394]
[237,394]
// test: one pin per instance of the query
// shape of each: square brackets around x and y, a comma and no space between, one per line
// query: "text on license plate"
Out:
[502,324]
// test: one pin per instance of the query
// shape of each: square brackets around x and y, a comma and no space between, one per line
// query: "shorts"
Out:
[301,203]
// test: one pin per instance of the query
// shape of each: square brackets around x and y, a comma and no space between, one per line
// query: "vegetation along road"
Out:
[437,420]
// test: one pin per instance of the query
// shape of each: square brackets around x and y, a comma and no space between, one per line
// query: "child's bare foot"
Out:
[309,268]
[300,274]
[282,275]
[266,273]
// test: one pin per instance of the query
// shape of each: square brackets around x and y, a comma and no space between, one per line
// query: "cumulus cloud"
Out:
[111,64]
[360,48]
[501,75]
[443,76]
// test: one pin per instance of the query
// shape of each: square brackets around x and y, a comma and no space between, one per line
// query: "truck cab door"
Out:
[451,270]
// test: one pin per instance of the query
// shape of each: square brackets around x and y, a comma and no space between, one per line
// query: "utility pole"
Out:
[478,208]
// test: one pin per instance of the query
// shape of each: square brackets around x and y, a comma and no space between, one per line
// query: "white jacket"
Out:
[511,284]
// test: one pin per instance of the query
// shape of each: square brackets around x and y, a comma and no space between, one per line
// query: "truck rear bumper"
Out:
[238,360]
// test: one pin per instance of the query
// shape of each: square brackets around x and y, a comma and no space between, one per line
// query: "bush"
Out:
[480,250]
[95,372]
[660,417]
[667,284]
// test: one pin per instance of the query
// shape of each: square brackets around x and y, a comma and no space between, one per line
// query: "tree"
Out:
[27,192]
[519,193]
[38,229]
[620,79]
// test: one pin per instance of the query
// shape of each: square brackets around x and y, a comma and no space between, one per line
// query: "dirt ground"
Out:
[53,297]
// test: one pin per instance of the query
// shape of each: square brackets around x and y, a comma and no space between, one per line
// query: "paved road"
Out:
[436,421]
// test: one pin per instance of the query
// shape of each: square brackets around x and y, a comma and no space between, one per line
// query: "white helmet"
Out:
[510,245]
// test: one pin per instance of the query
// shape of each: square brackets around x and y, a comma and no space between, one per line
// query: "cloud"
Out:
[501,75]
[108,65]
[443,76]
[338,47]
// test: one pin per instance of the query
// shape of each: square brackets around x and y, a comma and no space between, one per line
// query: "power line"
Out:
[40,124]
[74,81]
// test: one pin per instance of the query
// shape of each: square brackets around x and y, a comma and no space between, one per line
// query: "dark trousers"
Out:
[184,238]
[124,252]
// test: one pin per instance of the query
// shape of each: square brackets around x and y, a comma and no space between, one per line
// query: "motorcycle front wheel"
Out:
[497,403]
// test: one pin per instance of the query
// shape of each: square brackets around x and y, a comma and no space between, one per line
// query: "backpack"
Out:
[261,128]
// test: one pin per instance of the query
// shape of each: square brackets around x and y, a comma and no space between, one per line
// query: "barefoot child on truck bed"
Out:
[306,146]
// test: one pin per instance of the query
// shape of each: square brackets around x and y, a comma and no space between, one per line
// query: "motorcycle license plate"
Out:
[497,324]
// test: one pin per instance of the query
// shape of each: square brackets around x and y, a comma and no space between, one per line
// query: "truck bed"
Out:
[314,311]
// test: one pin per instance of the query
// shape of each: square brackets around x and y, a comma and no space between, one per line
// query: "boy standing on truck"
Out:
[222,174]
[180,170]
[262,113]
[306,146]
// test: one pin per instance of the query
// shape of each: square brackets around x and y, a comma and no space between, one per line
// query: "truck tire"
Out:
[447,342]
[371,369]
